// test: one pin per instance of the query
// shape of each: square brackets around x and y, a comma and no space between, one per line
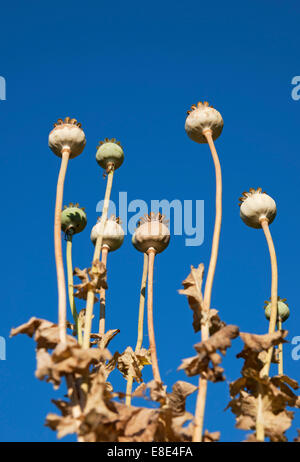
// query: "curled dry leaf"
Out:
[258,343]
[63,425]
[45,332]
[67,359]
[131,363]
[214,322]
[176,399]
[275,422]
[211,437]
[91,279]
[255,350]
[192,289]
[158,392]
[276,392]
[103,340]
[103,419]
[206,363]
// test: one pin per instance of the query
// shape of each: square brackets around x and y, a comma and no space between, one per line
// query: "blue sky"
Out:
[130,70]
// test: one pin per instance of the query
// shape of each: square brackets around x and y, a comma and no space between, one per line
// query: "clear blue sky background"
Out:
[131,70]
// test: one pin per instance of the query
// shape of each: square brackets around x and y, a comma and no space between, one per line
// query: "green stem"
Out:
[78,329]
[90,295]
[140,325]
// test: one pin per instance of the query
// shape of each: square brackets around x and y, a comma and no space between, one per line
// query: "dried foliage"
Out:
[276,392]
[95,412]
[95,415]
[91,279]
[131,363]
[192,286]
[207,362]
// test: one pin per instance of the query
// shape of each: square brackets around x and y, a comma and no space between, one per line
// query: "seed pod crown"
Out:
[256,205]
[110,154]
[151,232]
[113,234]
[203,117]
[67,134]
[283,311]
[73,219]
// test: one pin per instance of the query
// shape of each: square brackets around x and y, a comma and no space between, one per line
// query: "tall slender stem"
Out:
[260,433]
[140,325]
[142,304]
[90,295]
[218,222]
[274,290]
[202,390]
[152,345]
[78,328]
[61,284]
[280,351]
[104,254]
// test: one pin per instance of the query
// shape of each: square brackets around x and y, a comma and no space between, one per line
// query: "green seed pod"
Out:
[110,152]
[73,219]
[283,311]
[113,235]
[152,231]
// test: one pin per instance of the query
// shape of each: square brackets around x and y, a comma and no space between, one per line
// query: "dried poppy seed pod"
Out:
[110,152]
[201,118]
[113,235]
[283,311]
[256,205]
[152,232]
[73,219]
[67,134]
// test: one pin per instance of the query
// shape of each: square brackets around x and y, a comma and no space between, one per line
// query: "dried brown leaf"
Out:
[45,332]
[176,399]
[259,343]
[206,363]
[103,340]
[157,392]
[275,423]
[91,279]
[211,437]
[192,289]
[67,359]
[63,425]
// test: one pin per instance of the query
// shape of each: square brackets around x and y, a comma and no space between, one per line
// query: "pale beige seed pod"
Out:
[256,205]
[201,118]
[113,235]
[67,134]
[152,232]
